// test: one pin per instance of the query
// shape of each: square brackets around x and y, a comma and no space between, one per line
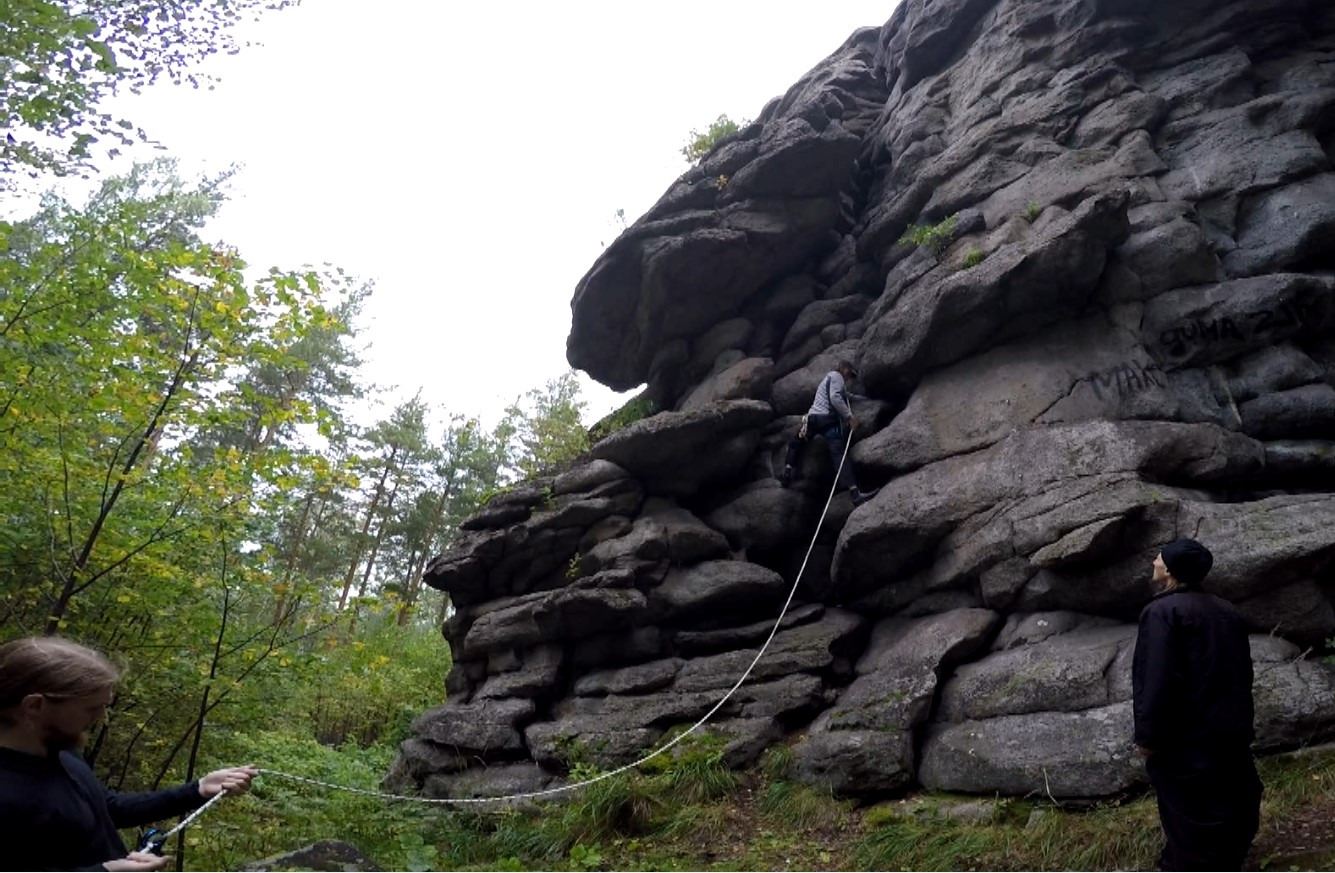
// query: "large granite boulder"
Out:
[1083,252]
[1051,754]
[1051,713]
[752,212]
[865,743]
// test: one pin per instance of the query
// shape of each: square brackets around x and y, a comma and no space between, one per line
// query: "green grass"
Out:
[800,807]
[910,845]
[1108,837]
[706,820]
[776,761]
[688,811]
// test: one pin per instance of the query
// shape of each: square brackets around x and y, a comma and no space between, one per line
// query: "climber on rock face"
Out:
[831,417]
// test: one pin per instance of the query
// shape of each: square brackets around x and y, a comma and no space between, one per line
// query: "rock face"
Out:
[1119,329]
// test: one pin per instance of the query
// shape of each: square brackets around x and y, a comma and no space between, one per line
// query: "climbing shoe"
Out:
[786,477]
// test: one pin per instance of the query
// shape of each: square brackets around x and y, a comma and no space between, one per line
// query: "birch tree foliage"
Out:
[61,59]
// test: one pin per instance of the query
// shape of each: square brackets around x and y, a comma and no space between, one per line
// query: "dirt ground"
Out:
[1305,841]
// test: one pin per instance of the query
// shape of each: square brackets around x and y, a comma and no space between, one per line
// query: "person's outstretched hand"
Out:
[139,861]
[233,780]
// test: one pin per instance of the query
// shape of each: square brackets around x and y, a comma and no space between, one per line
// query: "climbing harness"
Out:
[548,792]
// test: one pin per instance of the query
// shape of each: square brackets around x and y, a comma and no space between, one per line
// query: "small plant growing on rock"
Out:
[973,259]
[575,755]
[1032,210]
[934,236]
[634,410]
[699,144]
[582,771]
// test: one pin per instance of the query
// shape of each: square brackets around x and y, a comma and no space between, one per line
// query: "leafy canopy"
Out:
[59,59]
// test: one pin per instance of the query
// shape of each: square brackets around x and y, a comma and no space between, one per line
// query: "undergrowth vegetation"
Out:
[687,811]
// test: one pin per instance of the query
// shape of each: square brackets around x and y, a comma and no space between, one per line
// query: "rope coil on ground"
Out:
[548,792]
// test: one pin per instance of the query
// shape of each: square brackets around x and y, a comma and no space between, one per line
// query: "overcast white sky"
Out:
[470,157]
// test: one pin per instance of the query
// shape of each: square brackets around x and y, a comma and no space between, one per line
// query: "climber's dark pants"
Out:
[1209,806]
[833,432]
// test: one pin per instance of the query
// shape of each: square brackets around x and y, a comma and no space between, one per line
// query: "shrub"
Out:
[1032,210]
[701,144]
[973,259]
[934,236]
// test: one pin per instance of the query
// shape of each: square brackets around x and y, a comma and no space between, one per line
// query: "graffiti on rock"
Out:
[1181,338]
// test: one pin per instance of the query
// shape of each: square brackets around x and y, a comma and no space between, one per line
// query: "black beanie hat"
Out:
[1187,560]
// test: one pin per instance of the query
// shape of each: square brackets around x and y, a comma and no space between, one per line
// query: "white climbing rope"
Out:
[162,840]
[548,792]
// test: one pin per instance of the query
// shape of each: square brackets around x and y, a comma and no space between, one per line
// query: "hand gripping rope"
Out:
[547,792]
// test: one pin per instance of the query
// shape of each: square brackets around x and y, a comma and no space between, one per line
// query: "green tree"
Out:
[122,332]
[468,466]
[315,377]
[398,445]
[59,59]
[161,502]
[542,429]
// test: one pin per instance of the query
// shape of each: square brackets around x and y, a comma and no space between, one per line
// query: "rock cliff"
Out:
[1119,329]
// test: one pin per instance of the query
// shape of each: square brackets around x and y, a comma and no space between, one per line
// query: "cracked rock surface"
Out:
[1120,330]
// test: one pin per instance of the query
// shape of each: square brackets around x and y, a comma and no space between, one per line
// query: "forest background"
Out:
[187,487]
[197,481]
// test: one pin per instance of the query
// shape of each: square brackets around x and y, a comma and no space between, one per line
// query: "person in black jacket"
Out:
[1192,687]
[54,813]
